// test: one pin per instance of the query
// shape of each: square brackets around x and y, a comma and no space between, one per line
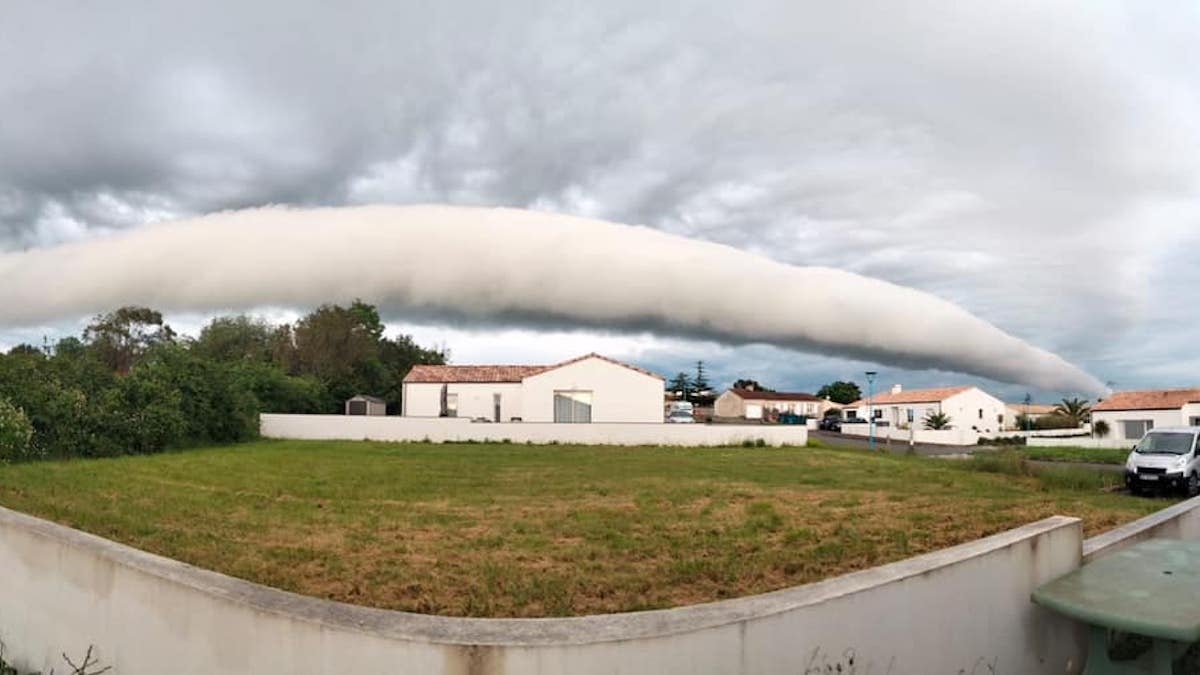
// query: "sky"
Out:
[1035,163]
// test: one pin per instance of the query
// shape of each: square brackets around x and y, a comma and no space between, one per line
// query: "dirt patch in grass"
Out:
[503,530]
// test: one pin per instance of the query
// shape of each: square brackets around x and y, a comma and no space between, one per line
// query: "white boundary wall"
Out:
[1116,443]
[928,436]
[341,427]
[963,609]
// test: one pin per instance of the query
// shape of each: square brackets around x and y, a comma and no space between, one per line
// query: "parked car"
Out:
[1165,459]
[831,423]
[681,417]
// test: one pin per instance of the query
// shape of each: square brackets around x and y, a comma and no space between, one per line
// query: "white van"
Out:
[1165,459]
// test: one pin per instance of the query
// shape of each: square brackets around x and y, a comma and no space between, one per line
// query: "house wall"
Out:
[1116,419]
[619,394]
[729,404]
[474,399]
[65,589]
[964,408]
[1191,414]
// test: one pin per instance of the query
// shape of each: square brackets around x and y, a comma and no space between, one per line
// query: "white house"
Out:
[751,404]
[1130,414]
[967,407]
[591,388]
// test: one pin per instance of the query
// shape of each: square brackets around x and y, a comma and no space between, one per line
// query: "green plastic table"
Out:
[1151,589]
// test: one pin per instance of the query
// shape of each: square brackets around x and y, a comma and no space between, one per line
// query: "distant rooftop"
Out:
[1158,399]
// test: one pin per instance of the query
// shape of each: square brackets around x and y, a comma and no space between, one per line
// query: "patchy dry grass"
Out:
[1076,454]
[509,530]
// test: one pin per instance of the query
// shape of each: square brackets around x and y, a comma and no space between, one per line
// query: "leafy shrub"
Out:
[1100,428]
[16,433]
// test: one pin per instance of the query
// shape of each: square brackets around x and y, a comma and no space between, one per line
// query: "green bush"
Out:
[16,433]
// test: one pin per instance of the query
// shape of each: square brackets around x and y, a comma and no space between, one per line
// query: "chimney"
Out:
[896,388]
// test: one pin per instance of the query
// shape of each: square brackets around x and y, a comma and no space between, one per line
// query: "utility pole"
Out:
[871,407]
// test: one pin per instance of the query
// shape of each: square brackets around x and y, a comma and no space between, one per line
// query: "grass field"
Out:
[511,530]
[1072,454]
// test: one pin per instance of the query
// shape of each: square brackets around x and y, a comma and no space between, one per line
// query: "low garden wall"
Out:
[357,428]
[924,436]
[964,609]
[1079,442]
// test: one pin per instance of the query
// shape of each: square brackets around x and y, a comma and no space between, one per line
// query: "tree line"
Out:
[129,384]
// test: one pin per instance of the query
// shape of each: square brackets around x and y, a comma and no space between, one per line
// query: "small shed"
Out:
[366,405]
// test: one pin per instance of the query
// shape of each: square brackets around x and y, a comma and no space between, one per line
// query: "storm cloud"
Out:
[1035,163]
[515,266]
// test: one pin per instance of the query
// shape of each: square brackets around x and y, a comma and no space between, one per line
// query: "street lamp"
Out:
[871,407]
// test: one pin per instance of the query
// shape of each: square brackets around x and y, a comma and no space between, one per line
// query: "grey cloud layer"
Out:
[1035,163]
[515,266]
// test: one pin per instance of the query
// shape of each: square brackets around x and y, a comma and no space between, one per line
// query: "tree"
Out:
[840,392]
[1100,428]
[681,385]
[120,338]
[1076,410]
[936,421]
[700,384]
[752,385]
[235,338]
[16,433]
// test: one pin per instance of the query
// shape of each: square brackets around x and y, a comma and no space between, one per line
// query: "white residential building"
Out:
[590,388]
[1130,414]
[968,408]
[752,404]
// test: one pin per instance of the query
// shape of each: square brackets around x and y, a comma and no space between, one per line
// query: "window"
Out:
[1135,429]
[573,406]
[496,407]
[1195,422]
[878,414]
[981,413]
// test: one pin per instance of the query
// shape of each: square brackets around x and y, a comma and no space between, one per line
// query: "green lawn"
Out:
[1090,455]
[513,530]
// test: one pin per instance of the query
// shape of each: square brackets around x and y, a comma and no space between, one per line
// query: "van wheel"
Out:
[1192,488]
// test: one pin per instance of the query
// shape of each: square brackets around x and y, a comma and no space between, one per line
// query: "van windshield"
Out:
[1165,444]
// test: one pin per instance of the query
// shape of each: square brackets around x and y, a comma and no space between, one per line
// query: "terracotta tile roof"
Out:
[1163,399]
[446,374]
[615,362]
[755,395]
[493,374]
[912,396]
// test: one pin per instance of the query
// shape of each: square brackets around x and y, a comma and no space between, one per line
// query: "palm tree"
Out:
[936,421]
[1075,409]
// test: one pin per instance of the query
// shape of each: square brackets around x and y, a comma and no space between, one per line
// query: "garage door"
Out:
[753,411]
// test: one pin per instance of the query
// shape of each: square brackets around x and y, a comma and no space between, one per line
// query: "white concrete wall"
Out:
[340,427]
[1115,419]
[960,610]
[1181,521]
[1108,442]
[954,436]
[619,394]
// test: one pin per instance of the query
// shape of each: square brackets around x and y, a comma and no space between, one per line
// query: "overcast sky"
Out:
[1037,163]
